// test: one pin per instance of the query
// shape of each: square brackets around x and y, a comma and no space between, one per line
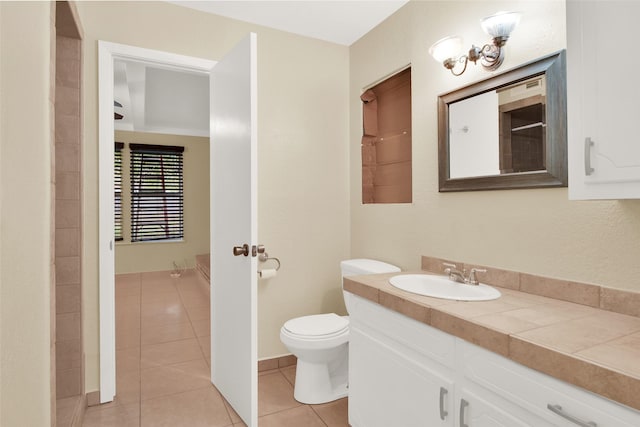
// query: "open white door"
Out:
[233,149]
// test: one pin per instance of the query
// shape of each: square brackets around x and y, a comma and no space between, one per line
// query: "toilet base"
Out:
[320,383]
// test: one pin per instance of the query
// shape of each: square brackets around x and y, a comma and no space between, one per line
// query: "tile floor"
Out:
[67,409]
[162,364]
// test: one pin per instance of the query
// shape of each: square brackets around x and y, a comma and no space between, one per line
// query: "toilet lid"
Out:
[317,324]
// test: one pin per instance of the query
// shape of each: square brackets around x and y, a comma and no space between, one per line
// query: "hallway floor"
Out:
[162,363]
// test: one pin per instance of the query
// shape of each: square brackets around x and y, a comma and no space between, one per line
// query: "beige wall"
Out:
[536,231]
[159,256]
[305,102]
[303,166]
[25,215]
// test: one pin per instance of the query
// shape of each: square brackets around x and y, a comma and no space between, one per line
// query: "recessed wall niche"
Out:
[386,140]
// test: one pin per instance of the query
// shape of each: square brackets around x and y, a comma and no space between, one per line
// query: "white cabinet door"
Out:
[603,94]
[390,385]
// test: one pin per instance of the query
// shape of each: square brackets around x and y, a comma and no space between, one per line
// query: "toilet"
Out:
[321,343]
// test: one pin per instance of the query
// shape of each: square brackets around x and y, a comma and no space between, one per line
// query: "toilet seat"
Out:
[318,331]
[317,326]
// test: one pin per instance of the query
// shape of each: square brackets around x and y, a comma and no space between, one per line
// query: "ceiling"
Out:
[159,100]
[337,21]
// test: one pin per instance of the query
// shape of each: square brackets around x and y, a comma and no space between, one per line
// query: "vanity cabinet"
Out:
[405,373]
[603,108]
[418,393]
[398,379]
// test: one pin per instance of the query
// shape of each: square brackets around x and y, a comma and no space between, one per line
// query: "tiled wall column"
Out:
[69,370]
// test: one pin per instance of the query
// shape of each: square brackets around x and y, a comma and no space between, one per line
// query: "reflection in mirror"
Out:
[474,128]
[522,126]
[508,131]
[473,132]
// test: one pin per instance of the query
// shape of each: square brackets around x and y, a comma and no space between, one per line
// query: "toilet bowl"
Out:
[321,344]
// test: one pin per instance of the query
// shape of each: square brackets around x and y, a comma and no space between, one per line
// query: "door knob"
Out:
[255,250]
[241,250]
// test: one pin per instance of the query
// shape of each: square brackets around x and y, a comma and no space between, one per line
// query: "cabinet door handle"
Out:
[443,411]
[557,409]
[463,406]
[588,143]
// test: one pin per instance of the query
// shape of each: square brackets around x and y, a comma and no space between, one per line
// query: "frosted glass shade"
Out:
[446,48]
[501,24]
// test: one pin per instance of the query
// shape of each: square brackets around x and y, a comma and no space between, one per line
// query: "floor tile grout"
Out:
[318,415]
[171,394]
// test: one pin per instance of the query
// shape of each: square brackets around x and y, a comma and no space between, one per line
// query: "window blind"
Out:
[117,185]
[156,192]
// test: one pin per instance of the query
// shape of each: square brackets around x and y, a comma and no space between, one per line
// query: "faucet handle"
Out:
[473,280]
[448,267]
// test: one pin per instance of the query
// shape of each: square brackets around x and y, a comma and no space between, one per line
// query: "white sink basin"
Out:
[442,287]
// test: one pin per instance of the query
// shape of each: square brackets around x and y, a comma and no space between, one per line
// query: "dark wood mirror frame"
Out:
[554,68]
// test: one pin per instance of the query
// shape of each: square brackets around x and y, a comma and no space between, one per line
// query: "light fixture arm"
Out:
[491,55]
[451,63]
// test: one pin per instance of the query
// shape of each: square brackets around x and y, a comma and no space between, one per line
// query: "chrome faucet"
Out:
[454,274]
[473,278]
[459,276]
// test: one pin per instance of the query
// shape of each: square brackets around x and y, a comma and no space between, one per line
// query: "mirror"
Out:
[508,131]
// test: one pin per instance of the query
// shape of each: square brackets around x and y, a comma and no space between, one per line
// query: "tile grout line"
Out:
[193,329]
[204,356]
[318,415]
[163,365]
[162,396]
[607,342]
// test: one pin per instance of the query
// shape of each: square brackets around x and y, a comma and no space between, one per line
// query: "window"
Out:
[156,192]
[386,141]
[118,190]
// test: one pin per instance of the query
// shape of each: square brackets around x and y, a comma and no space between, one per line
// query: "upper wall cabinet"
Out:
[603,99]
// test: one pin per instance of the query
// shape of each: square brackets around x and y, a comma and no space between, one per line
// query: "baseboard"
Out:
[93,398]
[276,362]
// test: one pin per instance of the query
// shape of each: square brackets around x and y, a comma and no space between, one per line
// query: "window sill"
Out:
[149,242]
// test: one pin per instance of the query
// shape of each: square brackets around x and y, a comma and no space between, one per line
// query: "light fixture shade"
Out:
[446,48]
[501,24]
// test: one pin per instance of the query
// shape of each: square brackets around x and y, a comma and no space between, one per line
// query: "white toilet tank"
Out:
[356,267]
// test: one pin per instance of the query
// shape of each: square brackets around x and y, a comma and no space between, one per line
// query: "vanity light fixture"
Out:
[491,55]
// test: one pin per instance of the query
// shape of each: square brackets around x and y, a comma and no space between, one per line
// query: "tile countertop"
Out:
[592,348]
